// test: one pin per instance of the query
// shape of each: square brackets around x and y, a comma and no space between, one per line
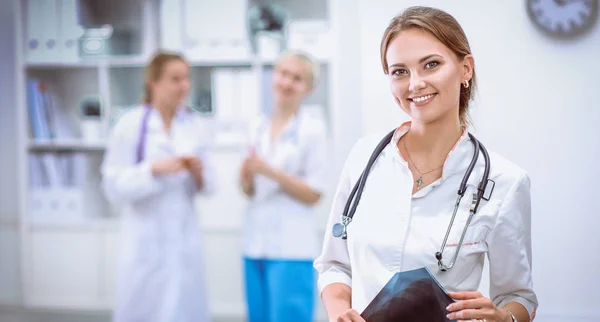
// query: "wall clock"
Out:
[563,18]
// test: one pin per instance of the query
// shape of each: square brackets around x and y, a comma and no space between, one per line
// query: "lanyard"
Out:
[143,133]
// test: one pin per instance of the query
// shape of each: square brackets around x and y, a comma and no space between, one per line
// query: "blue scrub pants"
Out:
[279,290]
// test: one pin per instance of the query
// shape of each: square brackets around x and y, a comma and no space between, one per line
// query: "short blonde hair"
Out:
[315,68]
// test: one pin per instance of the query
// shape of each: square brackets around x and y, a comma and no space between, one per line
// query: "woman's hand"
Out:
[256,165]
[245,173]
[247,178]
[472,306]
[194,164]
[196,168]
[168,166]
[350,316]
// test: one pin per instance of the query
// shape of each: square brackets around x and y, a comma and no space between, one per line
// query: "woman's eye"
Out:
[431,64]
[398,72]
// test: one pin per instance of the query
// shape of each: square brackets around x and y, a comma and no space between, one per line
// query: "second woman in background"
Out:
[154,165]
[284,177]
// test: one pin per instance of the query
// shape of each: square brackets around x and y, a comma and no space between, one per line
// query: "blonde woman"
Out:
[284,177]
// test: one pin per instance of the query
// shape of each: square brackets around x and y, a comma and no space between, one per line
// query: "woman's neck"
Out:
[282,113]
[433,141]
[167,113]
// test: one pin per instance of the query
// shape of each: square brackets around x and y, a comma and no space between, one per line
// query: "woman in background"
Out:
[154,166]
[284,177]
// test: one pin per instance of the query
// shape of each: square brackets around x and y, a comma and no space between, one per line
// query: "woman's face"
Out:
[426,76]
[291,81]
[173,85]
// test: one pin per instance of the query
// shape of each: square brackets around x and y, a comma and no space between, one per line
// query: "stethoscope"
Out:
[139,156]
[340,229]
[139,152]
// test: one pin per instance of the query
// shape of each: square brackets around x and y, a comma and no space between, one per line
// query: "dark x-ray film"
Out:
[414,296]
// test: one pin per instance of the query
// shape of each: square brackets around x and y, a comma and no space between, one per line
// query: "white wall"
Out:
[536,106]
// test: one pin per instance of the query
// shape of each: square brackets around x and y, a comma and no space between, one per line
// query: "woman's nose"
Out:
[286,82]
[416,84]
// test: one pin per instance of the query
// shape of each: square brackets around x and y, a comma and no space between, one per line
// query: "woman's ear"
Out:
[468,67]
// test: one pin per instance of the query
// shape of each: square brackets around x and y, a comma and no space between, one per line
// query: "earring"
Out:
[466,84]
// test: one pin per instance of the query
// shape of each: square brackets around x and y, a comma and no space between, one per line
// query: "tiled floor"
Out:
[13,316]
[50,317]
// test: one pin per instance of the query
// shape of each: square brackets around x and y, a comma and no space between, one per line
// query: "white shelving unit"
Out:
[69,264]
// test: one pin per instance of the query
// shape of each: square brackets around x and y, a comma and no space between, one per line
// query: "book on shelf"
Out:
[48,120]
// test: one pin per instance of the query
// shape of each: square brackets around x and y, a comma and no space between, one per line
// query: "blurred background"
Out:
[536,105]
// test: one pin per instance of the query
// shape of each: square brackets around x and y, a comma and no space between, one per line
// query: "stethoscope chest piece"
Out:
[339,230]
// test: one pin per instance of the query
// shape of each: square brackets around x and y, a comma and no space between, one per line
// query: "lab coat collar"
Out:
[290,130]
[293,122]
[181,114]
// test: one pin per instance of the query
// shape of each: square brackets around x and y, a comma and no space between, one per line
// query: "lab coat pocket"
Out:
[475,232]
[471,254]
[473,236]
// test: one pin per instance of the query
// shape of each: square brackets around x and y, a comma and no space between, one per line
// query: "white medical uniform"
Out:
[161,270]
[277,225]
[394,230]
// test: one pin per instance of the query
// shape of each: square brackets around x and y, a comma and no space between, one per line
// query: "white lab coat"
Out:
[161,269]
[394,230]
[277,226]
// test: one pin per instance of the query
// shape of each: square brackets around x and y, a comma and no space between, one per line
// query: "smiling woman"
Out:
[439,46]
[405,211]
[282,176]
